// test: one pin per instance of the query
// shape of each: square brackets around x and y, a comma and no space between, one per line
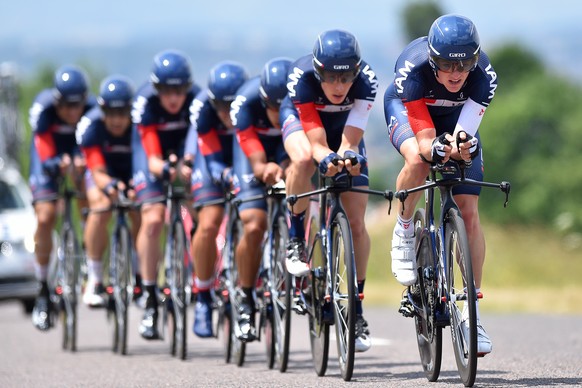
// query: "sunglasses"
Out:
[447,66]
[121,111]
[344,77]
[220,105]
[172,89]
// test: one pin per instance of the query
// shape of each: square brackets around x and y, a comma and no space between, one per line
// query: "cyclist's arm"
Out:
[96,164]
[314,130]
[469,121]
[422,126]
[153,148]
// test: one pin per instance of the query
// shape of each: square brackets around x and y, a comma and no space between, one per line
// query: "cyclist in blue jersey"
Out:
[104,137]
[161,119]
[331,93]
[210,143]
[260,159]
[53,117]
[442,86]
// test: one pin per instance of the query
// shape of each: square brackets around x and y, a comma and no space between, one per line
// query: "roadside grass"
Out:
[527,269]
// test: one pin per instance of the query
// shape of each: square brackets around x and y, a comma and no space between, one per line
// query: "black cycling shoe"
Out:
[246,320]
[148,328]
[42,313]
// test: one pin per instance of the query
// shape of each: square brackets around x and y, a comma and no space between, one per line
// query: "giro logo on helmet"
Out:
[341,67]
[457,55]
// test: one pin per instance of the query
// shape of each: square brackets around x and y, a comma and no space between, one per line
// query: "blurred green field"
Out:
[527,269]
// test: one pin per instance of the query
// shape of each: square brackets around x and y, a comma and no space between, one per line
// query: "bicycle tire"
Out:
[178,282]
[344,293]
[121,288]
[318,328]
[460,270]
[69,247]
[282,291]
[237,347]
[428,333]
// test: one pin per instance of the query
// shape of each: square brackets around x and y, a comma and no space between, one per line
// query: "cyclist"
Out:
[212,126]
[104,136]
[260,159]
[161,119]
[443,84]
[331,93]
[53,117]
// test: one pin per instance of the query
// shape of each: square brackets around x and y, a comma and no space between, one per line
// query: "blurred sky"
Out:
[34,31]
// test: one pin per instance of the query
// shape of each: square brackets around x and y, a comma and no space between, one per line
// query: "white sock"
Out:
[404,228]
[95,270]
[203,285]
[41,272]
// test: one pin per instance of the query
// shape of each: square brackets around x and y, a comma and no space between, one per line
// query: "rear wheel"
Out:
[461,297]
[345,292]
[237,347]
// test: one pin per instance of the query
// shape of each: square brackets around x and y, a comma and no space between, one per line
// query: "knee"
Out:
[207,229]
[45,219]
[470,215]
[358,227]
[255,230]
[417,167]
[152,225]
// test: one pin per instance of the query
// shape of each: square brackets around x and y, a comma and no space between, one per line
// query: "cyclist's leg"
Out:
[355,205]
[203,247]
[467,198]
[298,180]
[413,173]
[96,239]
[44,192]
[253,215]
[149,190]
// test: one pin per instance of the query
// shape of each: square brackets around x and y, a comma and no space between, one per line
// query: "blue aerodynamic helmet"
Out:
[224,80]
[336,51]
[274,81]
[70,84]
[116,91]
[172,68]
[453,39]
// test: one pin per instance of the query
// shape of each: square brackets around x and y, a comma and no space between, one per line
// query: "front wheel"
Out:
[461,297]
[317,307]
[178,288]
[423,295]
[344,293]
[121,277]
[69,261]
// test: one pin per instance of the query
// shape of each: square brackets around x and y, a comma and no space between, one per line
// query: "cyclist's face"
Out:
[70,113]
[172,98]
[117,121]
[336,91]
[452,81]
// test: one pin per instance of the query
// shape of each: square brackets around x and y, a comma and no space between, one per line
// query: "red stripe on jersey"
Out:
[249,141]
[150,140]
[309,117]
[45,145]
[94,157]
[418,116]
[209,143]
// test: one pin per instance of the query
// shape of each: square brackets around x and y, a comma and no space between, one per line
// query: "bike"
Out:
[445,292]
[332,291]
[69,270]
[177,291]
[121,280]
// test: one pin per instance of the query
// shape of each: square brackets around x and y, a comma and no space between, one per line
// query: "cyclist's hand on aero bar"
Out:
[354,162]
[169,171]
[271,174]
[440,151]
[331,164]
[467,146]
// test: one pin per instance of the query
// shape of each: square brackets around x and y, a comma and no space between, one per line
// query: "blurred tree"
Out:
[418,17]
[531,137]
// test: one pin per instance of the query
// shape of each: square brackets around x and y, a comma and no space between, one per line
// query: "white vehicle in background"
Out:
[17,227]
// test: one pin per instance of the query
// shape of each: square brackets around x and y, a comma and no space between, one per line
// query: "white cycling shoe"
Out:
[484,345]
[403,259]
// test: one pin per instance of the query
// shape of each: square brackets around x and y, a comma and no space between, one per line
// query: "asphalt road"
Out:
[528,350]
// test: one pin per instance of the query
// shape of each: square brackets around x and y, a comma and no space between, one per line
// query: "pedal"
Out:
[406,308]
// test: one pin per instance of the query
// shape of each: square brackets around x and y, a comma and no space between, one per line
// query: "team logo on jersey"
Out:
[293,80]
[371,78]
[404,72]
[493,81]
[138,109]
[235,108]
